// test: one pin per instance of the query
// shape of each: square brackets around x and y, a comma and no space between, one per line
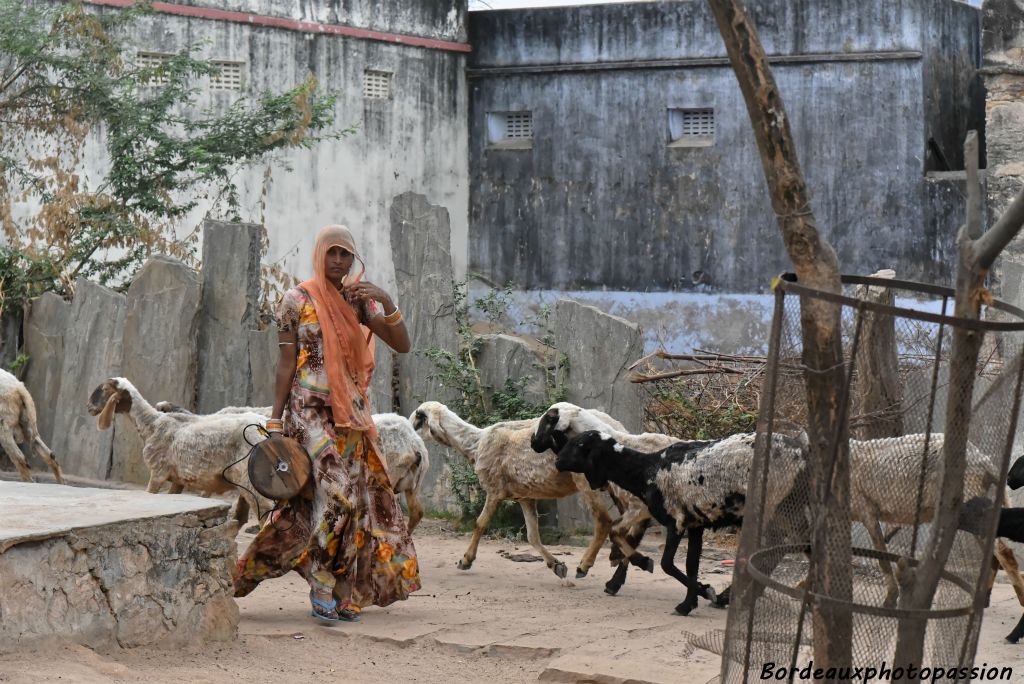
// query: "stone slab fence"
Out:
[178,335]
[194,338]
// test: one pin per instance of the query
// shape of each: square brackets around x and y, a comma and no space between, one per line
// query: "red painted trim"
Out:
[292,25]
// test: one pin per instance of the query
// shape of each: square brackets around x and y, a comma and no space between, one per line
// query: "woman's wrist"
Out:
[275,425]
[389,307]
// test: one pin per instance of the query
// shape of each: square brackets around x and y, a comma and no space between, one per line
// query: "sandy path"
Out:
[501,621]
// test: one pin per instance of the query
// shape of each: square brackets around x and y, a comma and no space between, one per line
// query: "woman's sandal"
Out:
[330,612]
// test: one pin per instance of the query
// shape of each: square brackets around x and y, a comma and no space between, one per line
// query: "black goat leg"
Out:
[612,586]
[693,587]
[1018,632]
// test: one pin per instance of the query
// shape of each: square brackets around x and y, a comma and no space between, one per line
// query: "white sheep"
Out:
[401,448]
[185,450]
[563,421]
[18,426]
[509,469]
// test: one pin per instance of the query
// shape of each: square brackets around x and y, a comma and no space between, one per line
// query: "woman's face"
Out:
[339,262]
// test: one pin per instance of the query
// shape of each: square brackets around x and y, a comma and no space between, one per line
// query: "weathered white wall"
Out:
[414,141]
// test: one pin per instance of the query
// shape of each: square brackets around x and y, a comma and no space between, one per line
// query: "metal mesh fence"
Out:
[788,608]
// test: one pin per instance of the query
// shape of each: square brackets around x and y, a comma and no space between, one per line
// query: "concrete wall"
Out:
[601,200]
[1003,31]
[413,141]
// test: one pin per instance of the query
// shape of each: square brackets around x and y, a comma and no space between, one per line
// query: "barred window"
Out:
[228,76]
[691,127]
[154,60]
[510,129]
[376,84]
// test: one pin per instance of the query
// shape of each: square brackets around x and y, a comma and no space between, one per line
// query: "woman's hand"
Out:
[394,334]
[366,291]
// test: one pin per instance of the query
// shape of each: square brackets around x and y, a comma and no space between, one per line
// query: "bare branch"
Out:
[989,245]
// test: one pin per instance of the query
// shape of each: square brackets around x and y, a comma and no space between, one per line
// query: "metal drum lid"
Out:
[279,468]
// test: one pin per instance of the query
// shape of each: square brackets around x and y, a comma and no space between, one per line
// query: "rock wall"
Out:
[230,300]
[93,352]
[420,240]
[599,348]
[160,333]
[163,579]
[46,318]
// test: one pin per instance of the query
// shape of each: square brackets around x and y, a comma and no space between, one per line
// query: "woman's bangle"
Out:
[275,425]
[394,317]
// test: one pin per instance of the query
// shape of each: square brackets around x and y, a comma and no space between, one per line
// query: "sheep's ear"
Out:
[106,416]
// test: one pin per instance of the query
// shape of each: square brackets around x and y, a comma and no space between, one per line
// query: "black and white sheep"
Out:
[563,421]
[687,487]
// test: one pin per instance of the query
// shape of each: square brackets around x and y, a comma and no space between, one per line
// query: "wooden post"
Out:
[879,393]
[816,266]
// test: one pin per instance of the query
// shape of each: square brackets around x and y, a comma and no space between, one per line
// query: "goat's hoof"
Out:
[722,600]
[611,589]
[581,573]
[561,570]
[707,592]
[252,529]
[463,565]
[685,608]
[1011,640]
[648,565]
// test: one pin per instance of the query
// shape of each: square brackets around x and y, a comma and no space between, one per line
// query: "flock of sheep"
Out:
[685,485]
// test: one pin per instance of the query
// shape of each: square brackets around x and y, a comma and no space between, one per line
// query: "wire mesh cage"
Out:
[824,581]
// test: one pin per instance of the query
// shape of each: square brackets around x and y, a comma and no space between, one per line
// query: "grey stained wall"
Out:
[601,200]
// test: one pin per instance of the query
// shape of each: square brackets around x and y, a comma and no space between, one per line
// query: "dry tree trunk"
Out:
[977,252]
[878,381]
[816,266]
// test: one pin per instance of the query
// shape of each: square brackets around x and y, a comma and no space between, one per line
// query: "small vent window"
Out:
[510,129]
[156,61]
[376,84]
[691,127]
[228,76]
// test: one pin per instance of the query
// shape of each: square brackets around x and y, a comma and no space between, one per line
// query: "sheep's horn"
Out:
[106,416]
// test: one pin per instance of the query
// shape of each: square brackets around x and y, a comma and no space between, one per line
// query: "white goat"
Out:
[509,469]
[18,426]
[186,450]
[402,449]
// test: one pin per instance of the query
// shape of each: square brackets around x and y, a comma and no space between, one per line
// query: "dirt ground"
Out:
[501,621]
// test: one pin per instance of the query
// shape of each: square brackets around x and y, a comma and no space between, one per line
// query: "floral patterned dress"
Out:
[351,538]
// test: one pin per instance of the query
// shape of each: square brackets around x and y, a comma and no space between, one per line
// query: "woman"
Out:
[347,537]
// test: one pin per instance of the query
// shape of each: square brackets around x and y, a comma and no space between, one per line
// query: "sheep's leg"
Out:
[176,489]
[619,536]
[10,448]
[241,510]
[412,501]
[602,526]
[155,483]
[668,565]
[892,590]
[529,507]
[1008,562]
[42,451]
[484,519]
[636,534]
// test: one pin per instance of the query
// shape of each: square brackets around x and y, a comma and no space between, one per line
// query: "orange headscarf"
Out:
[348,346]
